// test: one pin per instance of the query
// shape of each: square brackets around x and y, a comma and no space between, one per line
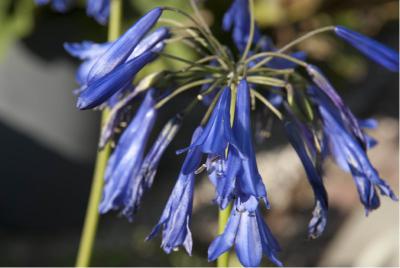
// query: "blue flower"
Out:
[343,111]
[251,237]
[175,219]
[58,5]
[376,51]
[216,135]
[100,90]
[244,169]
[110,68]
[121,49]
[301,140]
[122,190]
[237,19]
[89,52]
[351,157]
[98,9]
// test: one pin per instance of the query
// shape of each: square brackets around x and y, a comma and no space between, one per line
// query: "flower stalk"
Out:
[92,215]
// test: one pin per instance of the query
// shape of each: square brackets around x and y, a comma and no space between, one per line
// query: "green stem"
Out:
[223,215]
[251,34]
[295,42]
[92,214]
[181,89]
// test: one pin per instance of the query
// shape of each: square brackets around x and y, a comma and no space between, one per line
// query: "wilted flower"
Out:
[123,190]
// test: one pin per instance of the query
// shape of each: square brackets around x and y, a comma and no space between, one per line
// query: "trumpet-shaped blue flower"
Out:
[90,52]
[376,51]
[237,19]
[120,49]
[351,157]
[100,90]
[122,191]
[58,5]
[175,219]
[237,174]
[300,138]
[98,9]
[244,169]
[349,120]
[216,135]
[251,237]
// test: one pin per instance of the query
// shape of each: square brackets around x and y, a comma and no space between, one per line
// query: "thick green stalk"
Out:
[223,215]
[92,214]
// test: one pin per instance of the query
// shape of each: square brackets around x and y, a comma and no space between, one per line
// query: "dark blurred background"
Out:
[48,147]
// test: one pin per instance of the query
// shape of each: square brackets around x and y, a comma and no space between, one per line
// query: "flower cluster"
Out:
[98,9]
[317,122]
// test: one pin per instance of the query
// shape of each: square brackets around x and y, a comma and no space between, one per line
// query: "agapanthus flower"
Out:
[122,189]
[251,237]
[58,5]
[374,50]
[98,9]
[301,139]
[175,219]
[352,158]
[317,122]
[111,67]
[216,134]
[243,170]
[91,52]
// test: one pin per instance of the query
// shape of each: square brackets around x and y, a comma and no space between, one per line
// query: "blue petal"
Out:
[217,133]
[153,157]
[194,154]
[86,49]
[357,160]
[250,235]
[101,89]
[123,46]
[98,9]
[376,51]
[226,240]
[121,190]
[320,214]
[219,171]
[346,115]
[249,182]
[175,218]
[248,241]
[151,42]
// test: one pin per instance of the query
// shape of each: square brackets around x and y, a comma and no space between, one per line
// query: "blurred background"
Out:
[48,146]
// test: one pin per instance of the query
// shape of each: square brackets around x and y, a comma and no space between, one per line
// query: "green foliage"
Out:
[16,20]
